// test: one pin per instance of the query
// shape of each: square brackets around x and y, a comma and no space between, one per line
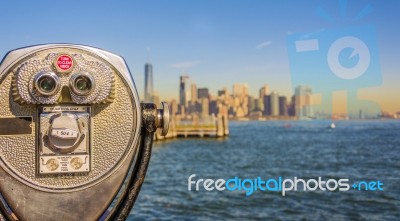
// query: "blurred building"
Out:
[267,105]
[303,102]
[274,104]
[240,100]
[173,107]
[213,107]
[194,92]
[250,103]
[204,107]
[283,109]
[264,90]
[240,90]
[259,104]
[292,107]
[192,107]
[223,92]
[184,91]
[203,93]
[148,82]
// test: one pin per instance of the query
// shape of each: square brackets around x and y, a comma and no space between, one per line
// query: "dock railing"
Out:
[209,126]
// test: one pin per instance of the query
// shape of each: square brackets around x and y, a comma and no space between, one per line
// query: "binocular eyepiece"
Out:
[48,83]
[75,141]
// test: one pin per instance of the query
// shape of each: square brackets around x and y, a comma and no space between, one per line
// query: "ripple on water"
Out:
[356,150]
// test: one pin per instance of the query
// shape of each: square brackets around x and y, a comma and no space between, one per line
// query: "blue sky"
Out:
[217,43]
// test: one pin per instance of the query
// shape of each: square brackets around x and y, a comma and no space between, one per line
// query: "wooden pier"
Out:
[216,127]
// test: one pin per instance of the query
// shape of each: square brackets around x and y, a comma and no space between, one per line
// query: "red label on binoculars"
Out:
[64,63]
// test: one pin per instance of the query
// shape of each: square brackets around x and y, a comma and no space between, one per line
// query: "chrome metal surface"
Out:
[31,173]
[164,118]
[112,144]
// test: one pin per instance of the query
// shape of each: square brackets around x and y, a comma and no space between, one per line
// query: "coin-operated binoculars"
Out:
[75,141]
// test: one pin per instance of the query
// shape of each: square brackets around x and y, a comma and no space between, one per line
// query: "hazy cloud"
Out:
[263,44]
[185,64]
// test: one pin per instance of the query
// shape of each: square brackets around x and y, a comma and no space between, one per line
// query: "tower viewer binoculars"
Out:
[75,141]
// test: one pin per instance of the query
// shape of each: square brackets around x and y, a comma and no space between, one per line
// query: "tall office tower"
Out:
[267,105]
[148,82]
[194,93]
[251,103]
[202,93]
[303,102]
[274,104]
[183,91]
[204,107]
[292,106]
[283,110]
[264,90]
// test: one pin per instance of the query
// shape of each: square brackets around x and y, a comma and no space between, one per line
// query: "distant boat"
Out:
[332,126]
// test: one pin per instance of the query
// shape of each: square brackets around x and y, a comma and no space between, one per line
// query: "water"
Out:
[358,150]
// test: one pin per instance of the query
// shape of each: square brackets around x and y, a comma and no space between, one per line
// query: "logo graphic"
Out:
[331,60]
[359,49]
[250,186]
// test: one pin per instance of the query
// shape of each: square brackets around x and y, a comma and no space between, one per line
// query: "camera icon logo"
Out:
[333,60]
[359,49]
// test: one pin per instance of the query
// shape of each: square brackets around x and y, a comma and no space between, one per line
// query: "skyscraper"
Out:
[194,92]
[267,105]
[274,104]
[184,91]
[264,90]
[173,107]
[292,106]
[204,107]
[240,99]
[303,102]
[283,110]
[148,82]
[250,104]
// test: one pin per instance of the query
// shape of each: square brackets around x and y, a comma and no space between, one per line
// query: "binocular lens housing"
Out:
[79,129]
[82,83]
[47,83]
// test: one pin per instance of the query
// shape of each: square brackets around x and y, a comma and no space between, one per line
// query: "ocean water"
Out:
[357,150]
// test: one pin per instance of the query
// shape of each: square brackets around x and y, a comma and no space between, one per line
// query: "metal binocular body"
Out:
[75,141]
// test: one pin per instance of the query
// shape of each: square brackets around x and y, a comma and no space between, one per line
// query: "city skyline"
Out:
[306,104]
[239,104]
[225,41]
